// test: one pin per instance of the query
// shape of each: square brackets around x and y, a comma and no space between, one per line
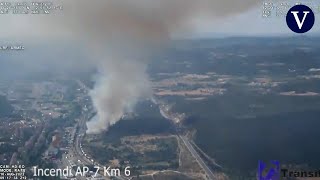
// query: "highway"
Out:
[77,142]
[195,154]
[79,153]
[80,133]
[75,157]
[165,113]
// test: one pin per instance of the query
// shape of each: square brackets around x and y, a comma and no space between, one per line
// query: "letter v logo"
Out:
[296,17]
[300,19]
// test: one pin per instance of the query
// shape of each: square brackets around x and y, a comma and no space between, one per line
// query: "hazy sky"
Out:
[251,23]
[247,23]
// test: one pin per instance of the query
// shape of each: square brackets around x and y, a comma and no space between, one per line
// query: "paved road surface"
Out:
[195,154]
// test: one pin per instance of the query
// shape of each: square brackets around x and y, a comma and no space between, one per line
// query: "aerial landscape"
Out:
[218,107]
[159,90]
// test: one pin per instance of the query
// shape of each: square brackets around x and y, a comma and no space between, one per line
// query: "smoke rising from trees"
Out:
[120,34]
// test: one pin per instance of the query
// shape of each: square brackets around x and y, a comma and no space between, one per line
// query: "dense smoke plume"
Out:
[120,35]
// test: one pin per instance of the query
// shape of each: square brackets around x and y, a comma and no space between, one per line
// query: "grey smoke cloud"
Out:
[120,35]
[129,28]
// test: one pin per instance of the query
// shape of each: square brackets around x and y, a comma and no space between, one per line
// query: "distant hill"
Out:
[5,107]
